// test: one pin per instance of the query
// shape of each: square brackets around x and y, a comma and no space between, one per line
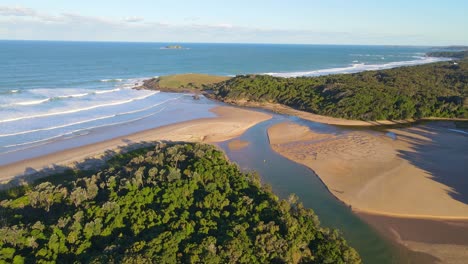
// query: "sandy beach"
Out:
[420,174]
[402,186]
[283,109]
[229,123]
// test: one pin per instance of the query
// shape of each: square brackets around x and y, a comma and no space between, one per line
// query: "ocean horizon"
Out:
[55,90]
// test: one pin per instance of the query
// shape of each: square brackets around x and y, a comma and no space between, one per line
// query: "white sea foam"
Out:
[357,67]
[89,120]
[74,133]
[14,91]
[79,109]
[112,80]
[55,127]
[41,101]
[107,91]
[34,102]
[72,95]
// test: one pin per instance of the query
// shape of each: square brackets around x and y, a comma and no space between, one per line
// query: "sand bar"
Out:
[413,190]
[238,144]
[230,122]
[421,174]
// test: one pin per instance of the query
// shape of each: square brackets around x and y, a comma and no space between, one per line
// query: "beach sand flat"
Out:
[421,174]
[283,109]
[230,122]
[412,189]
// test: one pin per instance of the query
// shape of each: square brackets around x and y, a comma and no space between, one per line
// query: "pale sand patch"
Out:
[394,185]
[237,144]
[289,132]
[374,173]
[446,253]
[282,109]
[231,122]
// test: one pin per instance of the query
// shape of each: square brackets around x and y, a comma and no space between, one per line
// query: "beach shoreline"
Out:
[286,110]
[230,122]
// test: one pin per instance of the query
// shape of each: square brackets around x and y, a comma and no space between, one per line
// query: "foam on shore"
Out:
[358,67]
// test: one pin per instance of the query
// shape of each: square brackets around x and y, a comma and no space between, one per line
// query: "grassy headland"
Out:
[190,82]
[171,203]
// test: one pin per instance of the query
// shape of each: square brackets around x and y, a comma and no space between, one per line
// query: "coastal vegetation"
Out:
[449,54]
[162,204]
[433,90]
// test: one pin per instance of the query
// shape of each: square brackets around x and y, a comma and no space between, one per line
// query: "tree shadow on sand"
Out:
[444,157]
[73,170]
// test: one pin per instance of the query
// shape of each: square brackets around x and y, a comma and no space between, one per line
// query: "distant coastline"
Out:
[355,148]
[224,89]
[363,155]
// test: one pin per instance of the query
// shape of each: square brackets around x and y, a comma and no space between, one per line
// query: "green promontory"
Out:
[190,82]
[449,54]
[176,203]
[436,90]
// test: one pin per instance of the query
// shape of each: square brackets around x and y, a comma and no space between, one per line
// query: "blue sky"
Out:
[396,22]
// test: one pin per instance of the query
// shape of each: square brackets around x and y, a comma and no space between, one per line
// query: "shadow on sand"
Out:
[70,171]
[444,156]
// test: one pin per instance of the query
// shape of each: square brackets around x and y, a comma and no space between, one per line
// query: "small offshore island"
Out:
[185,202]
[172,47]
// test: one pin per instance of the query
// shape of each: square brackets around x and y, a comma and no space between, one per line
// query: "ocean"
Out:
[51,90]
[59,95]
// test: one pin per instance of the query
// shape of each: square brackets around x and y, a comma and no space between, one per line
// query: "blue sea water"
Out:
[54,90]
[56,95]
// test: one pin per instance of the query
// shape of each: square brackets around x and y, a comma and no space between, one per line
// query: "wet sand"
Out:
[421,174]
[445,240]
[419,177]
[238,144]
[229,123]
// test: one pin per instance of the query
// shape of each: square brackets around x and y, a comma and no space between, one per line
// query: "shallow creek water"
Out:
[287,177]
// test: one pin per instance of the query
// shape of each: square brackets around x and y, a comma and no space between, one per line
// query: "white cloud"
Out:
[22,13]
[224,25]
[133,19]
[16,11]
[27,23]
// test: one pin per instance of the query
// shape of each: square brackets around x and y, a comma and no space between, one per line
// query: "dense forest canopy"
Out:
[449,54]
[166,204]
[431,90]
